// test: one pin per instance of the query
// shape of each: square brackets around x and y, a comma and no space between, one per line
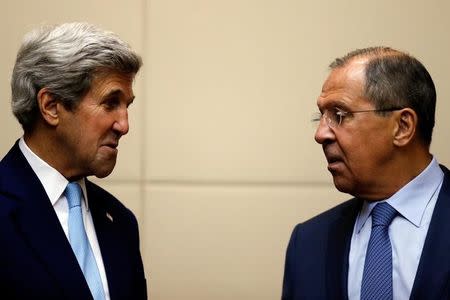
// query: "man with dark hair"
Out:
[62,236]
[390,241]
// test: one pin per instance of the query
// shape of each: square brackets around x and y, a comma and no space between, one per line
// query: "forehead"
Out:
[108,82]
[344,86]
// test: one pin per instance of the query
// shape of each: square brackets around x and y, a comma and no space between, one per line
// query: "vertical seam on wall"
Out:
[144,100]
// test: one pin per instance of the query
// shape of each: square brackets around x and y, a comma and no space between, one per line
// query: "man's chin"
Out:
[342,184]
[102,175]
[104,170]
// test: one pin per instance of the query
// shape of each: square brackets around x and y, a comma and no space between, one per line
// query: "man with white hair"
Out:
[62,236]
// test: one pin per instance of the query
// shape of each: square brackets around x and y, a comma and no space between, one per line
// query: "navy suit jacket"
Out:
[36,259]
[317,256]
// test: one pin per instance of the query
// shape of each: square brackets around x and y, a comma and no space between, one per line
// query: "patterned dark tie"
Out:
[377,275]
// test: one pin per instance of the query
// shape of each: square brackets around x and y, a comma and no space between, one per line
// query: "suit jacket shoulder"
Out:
[36,259]
[315,258]
[324,220]
[432,279]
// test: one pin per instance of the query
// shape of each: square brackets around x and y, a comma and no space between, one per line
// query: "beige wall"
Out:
[220,162]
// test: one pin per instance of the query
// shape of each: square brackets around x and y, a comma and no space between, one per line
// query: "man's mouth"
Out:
[111,145]
[333,160]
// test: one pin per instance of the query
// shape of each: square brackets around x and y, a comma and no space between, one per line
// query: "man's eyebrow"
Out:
[112,93]
[338,102]
[118,92]
[334,103]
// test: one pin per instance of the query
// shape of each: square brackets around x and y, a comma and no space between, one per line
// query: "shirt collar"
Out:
[412,199]
[54,183]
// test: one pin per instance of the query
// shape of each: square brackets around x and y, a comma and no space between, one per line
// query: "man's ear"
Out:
[406,121]
[48,107]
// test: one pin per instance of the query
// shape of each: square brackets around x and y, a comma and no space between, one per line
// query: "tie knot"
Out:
[73,194]
[383,214]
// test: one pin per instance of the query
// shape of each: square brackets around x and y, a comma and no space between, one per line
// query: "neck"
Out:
[405,165]
[44,144]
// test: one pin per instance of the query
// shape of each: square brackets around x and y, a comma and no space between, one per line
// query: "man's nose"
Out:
[121,124]
[323,132]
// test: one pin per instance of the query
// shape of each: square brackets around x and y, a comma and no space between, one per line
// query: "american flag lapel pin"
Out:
[109,217]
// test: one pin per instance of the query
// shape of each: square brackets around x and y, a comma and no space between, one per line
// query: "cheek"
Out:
[88,139]
[366,154]
[357,151]
[95,130]
[102,125]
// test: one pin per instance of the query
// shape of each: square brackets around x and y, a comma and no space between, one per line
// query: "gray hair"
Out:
[397,79]
[65,59]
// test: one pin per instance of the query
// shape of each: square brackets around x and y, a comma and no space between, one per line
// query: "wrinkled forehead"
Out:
[344,85]
[113,84]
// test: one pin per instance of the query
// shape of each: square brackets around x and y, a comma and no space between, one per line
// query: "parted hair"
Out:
[397,79]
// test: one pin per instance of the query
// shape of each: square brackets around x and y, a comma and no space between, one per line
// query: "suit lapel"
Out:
[112,244]
[36,221]
[432,278]
[338,250]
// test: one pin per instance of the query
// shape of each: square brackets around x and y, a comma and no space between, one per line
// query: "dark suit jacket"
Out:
[36,259]
[317,256]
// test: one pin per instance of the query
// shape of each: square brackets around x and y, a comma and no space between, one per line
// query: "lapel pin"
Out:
[109,217]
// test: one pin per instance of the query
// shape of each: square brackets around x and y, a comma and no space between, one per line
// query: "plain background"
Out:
[220,162]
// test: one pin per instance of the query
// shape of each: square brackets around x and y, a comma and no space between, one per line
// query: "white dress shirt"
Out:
[55,184]
[415,204]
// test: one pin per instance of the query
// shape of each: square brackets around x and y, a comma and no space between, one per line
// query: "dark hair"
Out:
[65,59]
[397,79]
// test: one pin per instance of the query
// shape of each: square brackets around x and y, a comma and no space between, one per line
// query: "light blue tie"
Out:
[80,243]
[377,275]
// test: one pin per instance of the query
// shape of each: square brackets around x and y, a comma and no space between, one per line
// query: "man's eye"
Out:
[111,104]
[340,113]
[316,117]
